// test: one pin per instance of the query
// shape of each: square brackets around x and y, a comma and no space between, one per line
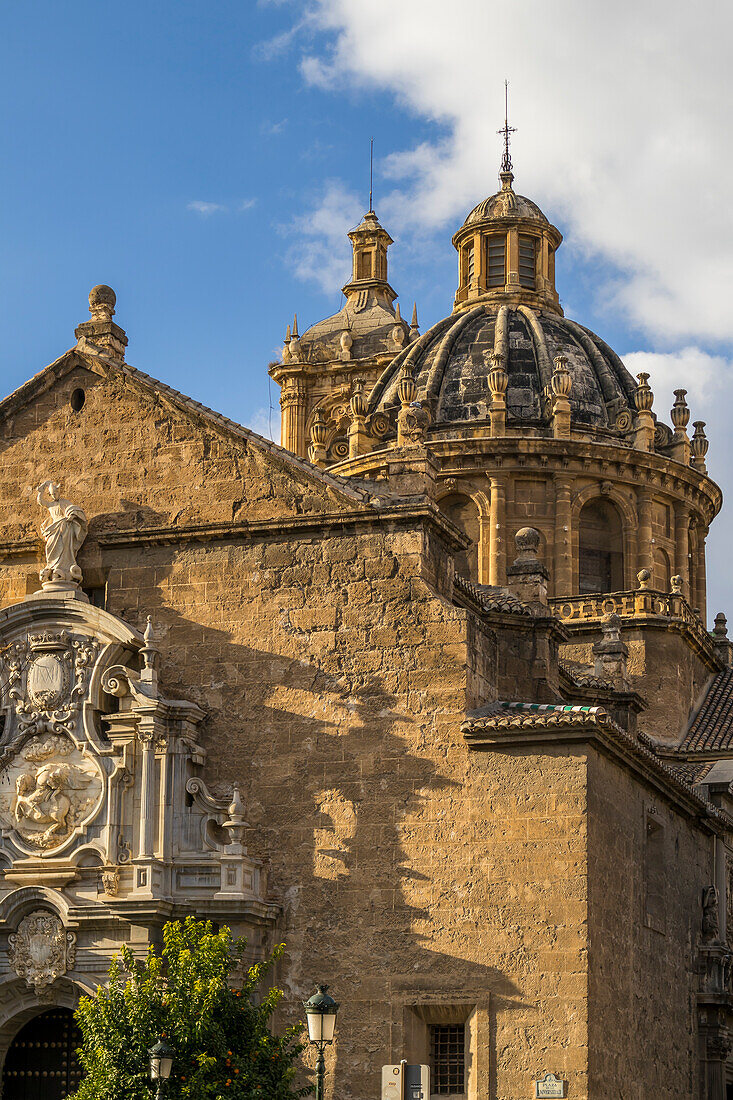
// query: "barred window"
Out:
[527,262]
[496,266]
[448,1059]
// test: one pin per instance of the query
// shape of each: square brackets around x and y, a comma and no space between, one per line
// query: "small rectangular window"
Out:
[470,264]
[527,262]
[364,265]
[448,1059]
[496,266]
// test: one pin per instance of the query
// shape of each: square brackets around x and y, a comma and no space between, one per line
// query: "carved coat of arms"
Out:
[41,950]
[47,677]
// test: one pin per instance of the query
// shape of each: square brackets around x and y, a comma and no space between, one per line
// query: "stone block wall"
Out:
[663,668]
[647,866]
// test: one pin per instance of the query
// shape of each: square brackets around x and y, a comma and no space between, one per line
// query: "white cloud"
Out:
[704,376]
[273,128]
[266,422]
[622,113]
[322,252]
[206,209]
[246,204]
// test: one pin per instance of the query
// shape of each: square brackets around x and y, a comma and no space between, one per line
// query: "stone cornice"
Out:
[405,514]
[465,454]
[517,727]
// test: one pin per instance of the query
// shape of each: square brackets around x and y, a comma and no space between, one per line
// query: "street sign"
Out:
[549,1087]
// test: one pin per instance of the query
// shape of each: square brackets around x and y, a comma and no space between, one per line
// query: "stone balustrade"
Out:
[640,603]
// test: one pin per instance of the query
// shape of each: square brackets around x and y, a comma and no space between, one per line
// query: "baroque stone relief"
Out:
[41,950]
[47,789]
[46,679]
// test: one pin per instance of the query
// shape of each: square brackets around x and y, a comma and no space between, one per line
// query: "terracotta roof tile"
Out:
[712,726]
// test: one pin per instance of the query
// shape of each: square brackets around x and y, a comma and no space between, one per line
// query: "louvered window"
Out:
[496,266]
[448,1059]
[527,261]
[470,267]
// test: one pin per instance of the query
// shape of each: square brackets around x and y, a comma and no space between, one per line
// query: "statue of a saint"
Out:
[64,532]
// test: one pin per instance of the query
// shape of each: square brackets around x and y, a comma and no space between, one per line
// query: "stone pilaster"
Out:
[497,533]
[563,538]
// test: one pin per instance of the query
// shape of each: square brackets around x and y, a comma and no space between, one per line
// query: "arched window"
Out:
[462,511]
[601,557]
[662,570]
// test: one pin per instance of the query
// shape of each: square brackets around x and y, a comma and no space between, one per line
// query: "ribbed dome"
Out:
[452,360]
[505,204]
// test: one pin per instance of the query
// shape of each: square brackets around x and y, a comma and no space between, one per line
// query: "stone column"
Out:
[484,549]
[146,840]
[563,538]
[645,551]
[682,547]
[700,577]
[292,403]
[479,274]
[512,258]
[497,533]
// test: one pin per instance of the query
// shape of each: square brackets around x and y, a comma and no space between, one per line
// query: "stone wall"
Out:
[644,918]
[423,881]
[664,668]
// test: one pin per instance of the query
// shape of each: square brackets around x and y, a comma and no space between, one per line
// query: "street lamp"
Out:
[320,1012]
[161,1064]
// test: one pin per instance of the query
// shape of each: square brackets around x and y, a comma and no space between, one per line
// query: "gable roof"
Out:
[89,357]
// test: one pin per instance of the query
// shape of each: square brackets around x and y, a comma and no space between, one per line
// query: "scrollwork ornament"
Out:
[339,450]
[624,421]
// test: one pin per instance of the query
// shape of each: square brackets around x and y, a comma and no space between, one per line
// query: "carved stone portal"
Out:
[41,950]
[47,789]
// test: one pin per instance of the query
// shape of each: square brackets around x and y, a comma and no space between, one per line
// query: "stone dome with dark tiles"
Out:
[452,360]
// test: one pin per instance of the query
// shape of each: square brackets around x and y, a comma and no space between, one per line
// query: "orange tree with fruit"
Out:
[219,1033]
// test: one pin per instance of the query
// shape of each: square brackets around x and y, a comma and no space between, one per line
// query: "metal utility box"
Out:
[405,1082]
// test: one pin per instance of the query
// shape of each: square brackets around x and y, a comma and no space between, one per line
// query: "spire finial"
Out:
[371,173]
[506,160]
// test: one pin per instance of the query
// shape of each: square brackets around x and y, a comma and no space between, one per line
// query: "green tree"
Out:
[223,1046]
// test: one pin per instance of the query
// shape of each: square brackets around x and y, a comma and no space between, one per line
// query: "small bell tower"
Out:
[369,283]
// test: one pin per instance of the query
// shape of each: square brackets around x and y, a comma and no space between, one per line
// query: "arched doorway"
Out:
[462,511]
[601,550]
[41,1062]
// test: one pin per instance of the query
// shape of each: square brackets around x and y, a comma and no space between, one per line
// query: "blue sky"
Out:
[205,160]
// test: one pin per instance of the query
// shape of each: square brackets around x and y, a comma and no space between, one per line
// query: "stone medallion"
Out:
[46,790]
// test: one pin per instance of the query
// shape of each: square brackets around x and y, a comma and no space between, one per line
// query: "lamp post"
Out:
[161,1064]
[320,1012]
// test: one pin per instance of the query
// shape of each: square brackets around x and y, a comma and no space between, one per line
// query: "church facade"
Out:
[427,693]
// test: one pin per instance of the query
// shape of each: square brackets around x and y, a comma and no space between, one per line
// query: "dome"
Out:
[505,204]
[452,360]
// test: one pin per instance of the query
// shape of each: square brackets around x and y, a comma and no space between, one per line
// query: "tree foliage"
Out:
[220,1035]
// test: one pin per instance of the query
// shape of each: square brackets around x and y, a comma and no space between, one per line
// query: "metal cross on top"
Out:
[506,160]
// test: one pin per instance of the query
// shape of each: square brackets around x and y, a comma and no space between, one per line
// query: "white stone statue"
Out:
[64,532]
